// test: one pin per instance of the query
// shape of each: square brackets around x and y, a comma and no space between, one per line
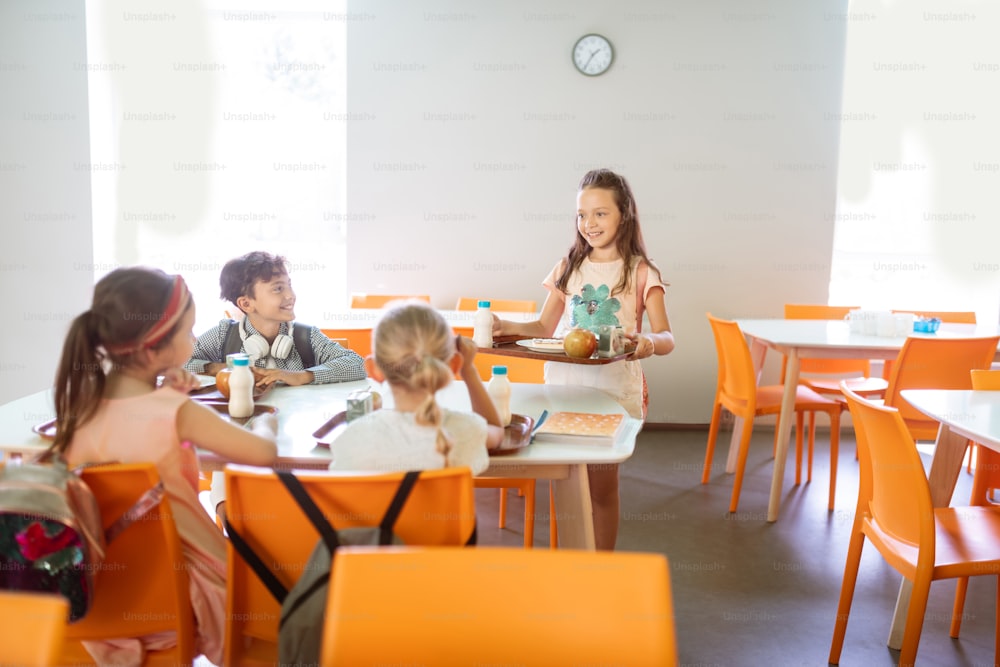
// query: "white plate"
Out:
[542,344]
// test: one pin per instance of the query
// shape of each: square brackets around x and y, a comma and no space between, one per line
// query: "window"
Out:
[916,224]
[216,131]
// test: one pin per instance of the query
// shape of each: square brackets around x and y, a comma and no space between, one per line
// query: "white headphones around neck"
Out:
[256,345]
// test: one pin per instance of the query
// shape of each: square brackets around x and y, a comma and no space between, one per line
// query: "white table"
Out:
[302,410]
[964,415]
[827,339]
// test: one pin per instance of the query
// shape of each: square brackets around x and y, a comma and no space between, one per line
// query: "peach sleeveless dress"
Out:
[144,429]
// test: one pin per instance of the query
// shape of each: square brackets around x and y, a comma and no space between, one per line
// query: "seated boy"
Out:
[280,350]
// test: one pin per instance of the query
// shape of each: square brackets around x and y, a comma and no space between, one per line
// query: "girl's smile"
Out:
[597,220]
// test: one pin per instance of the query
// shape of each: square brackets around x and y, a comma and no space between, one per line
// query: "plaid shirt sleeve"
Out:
[208,348]
[334,363]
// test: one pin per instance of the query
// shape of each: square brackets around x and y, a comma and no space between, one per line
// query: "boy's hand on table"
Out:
[264,377]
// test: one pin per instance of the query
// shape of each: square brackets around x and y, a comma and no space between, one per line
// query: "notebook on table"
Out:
[585,428]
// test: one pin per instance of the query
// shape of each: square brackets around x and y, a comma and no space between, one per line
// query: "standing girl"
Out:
[108,408]
[606,278]
[417,353]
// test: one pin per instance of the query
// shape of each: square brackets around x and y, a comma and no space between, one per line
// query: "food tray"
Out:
[507,346]
[222,407]
[516,436]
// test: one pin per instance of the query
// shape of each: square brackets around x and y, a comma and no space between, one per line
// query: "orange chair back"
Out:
[987,474]
[32,626]
[893,488]
[810,311]
[360,300]
[935,363]
[499,305]
[355,340]
[144,587]
[737,381]
[984,379]
[499,606]
[440,511]
[952,316]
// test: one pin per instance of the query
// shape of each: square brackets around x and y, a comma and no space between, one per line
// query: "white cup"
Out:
[885,324]
[904,324]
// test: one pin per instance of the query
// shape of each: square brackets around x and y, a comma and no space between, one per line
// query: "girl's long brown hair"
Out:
[628,241]
[412,346]
[127,303]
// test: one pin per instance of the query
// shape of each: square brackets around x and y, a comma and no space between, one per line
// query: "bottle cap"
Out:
[241,361]
[499,370]
[484,303]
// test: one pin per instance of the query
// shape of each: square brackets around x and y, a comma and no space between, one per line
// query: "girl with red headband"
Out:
[108,408]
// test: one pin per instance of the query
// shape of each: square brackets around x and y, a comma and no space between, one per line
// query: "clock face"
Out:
[593,55]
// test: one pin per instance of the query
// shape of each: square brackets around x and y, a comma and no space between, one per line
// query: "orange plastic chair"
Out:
[499,606]
[987,478]
[737,391]
[362,300]
[144,588]
[355,340]
[32,626]
[935,363]
[895,513]
[440,511]
[952,316]
[518,370]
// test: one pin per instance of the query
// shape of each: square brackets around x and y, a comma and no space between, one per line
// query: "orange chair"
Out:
[953,316]
[355,340]
[361,300]
[440,511]
[518,370]
[895,513]
[986,479]
[935,363]
[144,587]
[499,606]
[32,626]
[737,391]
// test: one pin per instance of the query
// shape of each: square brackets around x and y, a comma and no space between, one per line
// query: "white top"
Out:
[392,441]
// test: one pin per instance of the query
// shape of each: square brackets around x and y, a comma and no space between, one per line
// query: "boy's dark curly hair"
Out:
[239,275]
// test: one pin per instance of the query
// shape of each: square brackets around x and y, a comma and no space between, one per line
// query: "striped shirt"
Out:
[333,362]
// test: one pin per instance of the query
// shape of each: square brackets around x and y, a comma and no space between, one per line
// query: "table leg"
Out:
[574,511]
[757,353]
[784,430]
[949,450]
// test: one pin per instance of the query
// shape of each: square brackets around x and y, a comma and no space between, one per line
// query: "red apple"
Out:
[222,382]
[580,343]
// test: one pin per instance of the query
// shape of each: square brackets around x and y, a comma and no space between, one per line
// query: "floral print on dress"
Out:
[594,307]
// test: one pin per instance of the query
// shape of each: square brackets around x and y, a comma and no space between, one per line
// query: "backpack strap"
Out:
[396,506]
[310,508]
[232,342]
[146,502]
[251,558]
[302,336]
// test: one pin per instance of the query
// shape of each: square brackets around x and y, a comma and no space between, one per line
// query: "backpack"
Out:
[300,630]
[51,534]
[301,335]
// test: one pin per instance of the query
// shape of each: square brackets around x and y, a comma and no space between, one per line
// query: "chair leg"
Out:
[812,442]
[798,447]
[503,507]
[529,515]
[847,592]
[713,433]
[834,454]
[741,463]
[961,587]
[914,620]
[553,530]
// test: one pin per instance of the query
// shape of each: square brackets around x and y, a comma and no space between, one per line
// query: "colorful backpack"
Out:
[51,534]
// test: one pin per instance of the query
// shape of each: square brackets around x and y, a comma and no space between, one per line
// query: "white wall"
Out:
[470,130]
[46,258]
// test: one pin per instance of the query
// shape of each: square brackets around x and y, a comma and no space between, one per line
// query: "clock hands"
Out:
[592,54]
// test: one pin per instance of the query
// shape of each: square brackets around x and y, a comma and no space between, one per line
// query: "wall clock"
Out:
[593,55]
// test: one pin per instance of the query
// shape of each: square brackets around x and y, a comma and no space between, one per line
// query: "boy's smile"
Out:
[273,302]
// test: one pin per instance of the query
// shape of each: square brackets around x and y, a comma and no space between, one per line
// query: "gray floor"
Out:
[747,592]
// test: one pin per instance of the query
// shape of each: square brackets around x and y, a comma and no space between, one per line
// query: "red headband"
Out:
[179,299]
